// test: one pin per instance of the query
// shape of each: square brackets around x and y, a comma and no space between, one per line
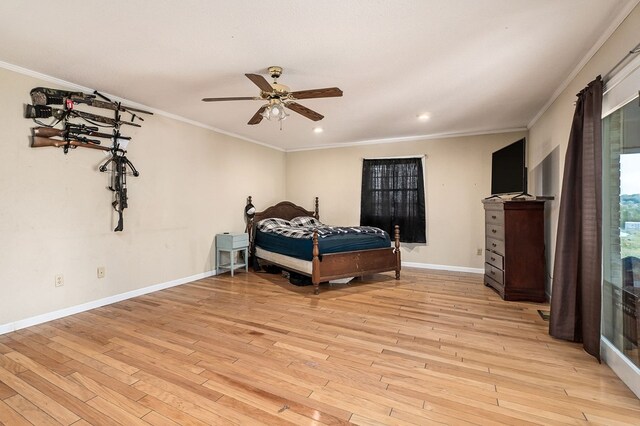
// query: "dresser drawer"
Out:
[494,273]
[495,217]
[494,259]
[232,241]
[495,245]
[499,287]
[495,231]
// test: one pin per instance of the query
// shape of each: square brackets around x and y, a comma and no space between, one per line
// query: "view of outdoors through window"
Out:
[630,205]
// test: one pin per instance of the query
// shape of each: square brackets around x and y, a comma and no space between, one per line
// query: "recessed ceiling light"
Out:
[318,130]
[424,116]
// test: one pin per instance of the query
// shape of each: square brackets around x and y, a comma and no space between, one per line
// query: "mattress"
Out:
[302,266]
[303,248]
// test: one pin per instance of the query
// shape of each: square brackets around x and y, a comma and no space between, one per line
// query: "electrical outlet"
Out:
[59,280]
[101,271]
[479,252]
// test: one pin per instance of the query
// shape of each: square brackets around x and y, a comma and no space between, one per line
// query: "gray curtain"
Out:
[576,292]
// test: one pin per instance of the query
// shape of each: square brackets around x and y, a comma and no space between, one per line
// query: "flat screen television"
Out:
[508,169]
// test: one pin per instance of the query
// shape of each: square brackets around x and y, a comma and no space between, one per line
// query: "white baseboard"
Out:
[39,319]
[443,267]
[620,364]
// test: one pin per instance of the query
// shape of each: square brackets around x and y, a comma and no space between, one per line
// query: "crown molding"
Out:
[409,139]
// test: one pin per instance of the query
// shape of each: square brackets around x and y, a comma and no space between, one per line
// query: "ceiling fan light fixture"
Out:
[275,111]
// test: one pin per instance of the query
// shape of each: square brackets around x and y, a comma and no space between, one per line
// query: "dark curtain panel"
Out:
[393,194]
[576,291]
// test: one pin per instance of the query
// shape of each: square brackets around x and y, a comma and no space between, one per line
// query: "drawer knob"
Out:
[493,273]
[493,217]
[493,245]
[493,258]
[493,231]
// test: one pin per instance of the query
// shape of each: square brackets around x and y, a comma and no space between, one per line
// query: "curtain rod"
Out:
[393,158]
[633,51]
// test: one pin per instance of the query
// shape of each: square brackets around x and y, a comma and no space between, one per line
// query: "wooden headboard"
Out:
[283,210]
[286,210]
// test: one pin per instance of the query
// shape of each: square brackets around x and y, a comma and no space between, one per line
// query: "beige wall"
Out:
[457,177]
[549,135]
[56,215]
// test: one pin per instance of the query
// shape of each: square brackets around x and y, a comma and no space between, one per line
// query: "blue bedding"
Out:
[303,248]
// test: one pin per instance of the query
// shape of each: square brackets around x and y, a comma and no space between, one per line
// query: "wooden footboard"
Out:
[354,263]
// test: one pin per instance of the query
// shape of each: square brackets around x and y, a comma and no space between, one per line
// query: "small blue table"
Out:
[232,244]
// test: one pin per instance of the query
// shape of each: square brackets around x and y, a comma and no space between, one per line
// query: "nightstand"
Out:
[232,244]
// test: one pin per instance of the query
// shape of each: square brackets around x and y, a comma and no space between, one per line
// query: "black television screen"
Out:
[508,169]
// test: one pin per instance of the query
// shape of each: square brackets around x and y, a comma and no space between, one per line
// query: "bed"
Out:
[315,260]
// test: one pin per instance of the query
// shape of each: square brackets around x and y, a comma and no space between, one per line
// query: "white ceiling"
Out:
[474,66]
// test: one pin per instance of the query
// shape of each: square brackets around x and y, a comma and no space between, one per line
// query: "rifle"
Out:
[39,141]
[73,131]
[42,111]
[119,183]
[47,96]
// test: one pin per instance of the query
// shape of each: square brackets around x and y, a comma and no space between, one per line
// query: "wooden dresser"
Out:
[514,249]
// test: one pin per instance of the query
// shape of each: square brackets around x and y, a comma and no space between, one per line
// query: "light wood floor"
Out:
[431,348]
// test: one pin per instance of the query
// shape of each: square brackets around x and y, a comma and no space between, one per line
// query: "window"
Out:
[393,194]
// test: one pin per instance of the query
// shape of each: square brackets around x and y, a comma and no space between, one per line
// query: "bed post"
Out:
[249,213]
[247,216]
[317,215]
[397,250]
[315,268]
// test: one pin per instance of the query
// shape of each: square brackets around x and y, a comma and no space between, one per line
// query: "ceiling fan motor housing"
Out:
[275,72]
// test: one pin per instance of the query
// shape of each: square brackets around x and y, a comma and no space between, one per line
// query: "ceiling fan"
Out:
[278,97]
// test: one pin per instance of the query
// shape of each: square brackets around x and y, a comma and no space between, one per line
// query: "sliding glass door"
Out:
[621,228]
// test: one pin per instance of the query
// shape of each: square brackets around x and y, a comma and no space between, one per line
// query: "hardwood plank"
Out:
[110,395]
[81,408]
[48,362]
[246,391]
[29,411]
[9,416]
[39,399]
[70,387]
[290,383]
[429,417]
[5,391]
[39,343]
[98,355]
[256,411]
[94,364]
[315,409]
[10,365]
[115,413]
[156,419]
[163,363]
[103,376]
[172,409]
[199,406]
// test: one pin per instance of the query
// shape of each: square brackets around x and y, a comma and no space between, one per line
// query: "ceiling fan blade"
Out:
[261,82]
[329,92]
[257,117]
[303,110]
[237,98]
